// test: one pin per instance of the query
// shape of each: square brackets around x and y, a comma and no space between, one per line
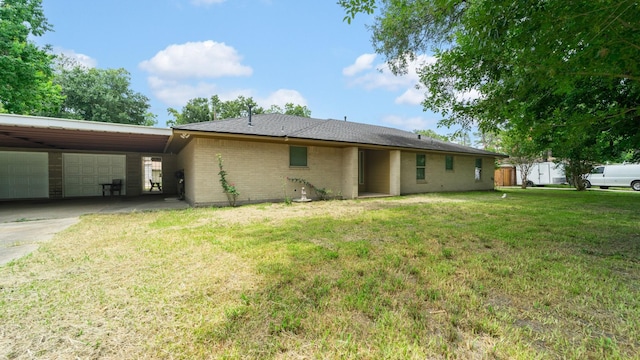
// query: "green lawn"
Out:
[538,274]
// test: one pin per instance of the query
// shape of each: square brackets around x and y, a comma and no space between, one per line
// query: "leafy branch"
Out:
[322,193]
[227,188]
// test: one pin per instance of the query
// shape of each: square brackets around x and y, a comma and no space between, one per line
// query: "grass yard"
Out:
[540,274]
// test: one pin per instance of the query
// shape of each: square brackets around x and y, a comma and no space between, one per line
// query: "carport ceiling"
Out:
[105,137]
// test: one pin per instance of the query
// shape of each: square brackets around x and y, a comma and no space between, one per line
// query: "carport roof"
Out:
[31,132]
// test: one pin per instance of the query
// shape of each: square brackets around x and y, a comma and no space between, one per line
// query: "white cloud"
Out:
[468,95]
[363,62]
[205,59]
[380,77]
[411,123]
[413,96]
[281,97]
[82,59]
[177,94]
[206,2]
[182,72]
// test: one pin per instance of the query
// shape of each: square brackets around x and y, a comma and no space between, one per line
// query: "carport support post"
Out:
[394,172]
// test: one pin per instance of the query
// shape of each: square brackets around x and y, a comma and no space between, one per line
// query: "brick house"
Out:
[59,158]
[352,160]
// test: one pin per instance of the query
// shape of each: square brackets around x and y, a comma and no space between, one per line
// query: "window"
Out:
[448,162]
[297,156]
[478,172]
[421,162]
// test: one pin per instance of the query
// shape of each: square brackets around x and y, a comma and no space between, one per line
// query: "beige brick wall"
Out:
[461,178]
[55,175]
[350,173]
[186,161]
[258,169]
[134,174]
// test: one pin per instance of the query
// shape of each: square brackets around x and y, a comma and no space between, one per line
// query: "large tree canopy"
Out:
[203,109]
[565,73]
[25,69]
[101,95]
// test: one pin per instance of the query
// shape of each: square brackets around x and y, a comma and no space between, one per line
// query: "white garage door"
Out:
[24,175]
[83,173]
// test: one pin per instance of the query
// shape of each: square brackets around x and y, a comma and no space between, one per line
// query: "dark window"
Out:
[297,156]
[421,163]
[448,162]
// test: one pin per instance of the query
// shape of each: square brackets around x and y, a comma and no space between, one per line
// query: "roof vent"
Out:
[419,136]
[250,124]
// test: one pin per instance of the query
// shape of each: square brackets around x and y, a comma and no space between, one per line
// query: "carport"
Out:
[47,158]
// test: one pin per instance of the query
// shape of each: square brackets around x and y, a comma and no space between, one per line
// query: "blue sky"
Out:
[276,51]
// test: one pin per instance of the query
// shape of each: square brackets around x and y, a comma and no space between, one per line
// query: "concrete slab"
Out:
[23,224]
[21,238]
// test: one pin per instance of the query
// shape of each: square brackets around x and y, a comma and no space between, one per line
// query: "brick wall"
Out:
[259,170]
[350,173]
[55,175]
[461,178]
[186,161]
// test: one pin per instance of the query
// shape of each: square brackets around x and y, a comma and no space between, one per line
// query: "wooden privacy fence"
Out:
[505,176]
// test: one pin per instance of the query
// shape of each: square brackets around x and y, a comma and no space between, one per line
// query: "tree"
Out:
[25,70]
[101,95]
[235,108]
[196,110]
[432,134]
[290,109]
[522,150]
[488,140]
[202,109]
[460,137]
[546,68]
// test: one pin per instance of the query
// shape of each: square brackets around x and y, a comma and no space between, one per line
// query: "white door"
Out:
[83,173]
[544,173]
[24,175]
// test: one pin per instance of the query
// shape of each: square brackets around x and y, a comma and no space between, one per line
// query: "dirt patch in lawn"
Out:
[278,212]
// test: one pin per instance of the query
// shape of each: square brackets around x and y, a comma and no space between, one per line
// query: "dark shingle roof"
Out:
[295,127]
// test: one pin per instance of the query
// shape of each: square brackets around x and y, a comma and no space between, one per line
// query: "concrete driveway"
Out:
[23,224]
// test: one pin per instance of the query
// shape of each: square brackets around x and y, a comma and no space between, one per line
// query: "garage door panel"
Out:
[83,173]
[72,170]
[24,175]
[106,171]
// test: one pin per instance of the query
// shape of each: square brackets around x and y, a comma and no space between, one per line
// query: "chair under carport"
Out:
[114,186]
